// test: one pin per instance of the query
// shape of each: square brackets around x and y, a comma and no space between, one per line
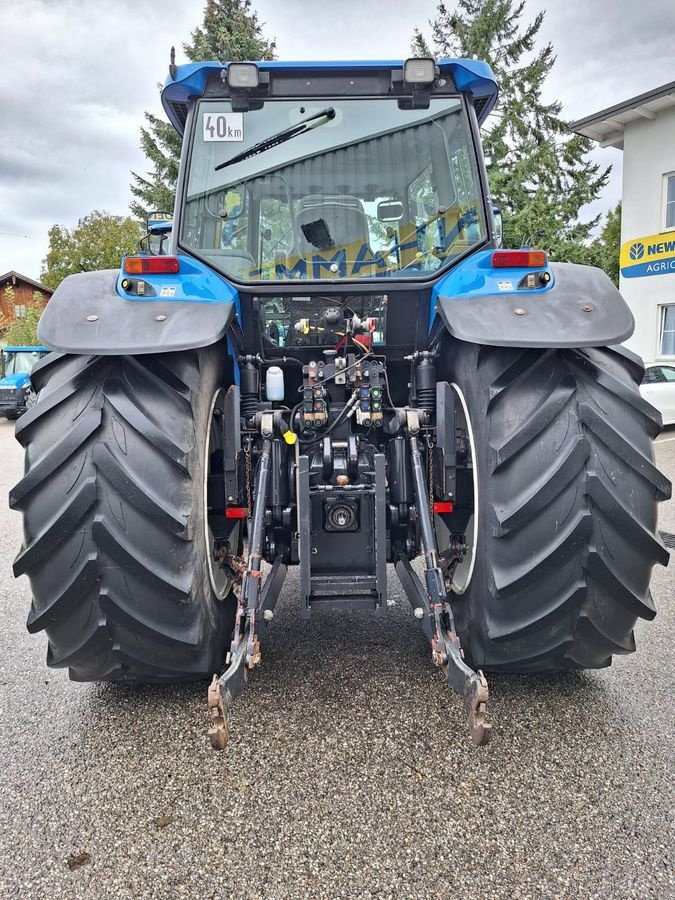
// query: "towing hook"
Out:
[219,732]
[476,705]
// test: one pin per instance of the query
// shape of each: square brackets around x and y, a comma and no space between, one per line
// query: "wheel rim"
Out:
[216,526]
[463,572]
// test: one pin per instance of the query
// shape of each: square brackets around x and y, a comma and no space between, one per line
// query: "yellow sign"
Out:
[651,255]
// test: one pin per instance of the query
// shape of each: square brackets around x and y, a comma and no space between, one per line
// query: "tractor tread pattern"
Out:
[108,494]
[569,505]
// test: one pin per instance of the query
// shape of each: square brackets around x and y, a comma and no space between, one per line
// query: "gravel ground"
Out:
[349,773]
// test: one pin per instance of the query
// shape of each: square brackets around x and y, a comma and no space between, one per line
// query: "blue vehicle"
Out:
[16,394]
[332,363]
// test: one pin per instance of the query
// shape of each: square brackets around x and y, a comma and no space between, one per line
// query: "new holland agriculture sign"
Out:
[653,255]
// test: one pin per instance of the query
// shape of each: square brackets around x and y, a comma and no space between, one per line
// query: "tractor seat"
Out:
[329,221]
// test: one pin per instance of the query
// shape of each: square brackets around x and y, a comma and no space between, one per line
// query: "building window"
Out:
[669,201]
[20,311]
[667,341]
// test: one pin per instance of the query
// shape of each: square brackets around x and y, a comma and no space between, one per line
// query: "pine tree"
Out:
[230,31]
[607,246]
[540,175]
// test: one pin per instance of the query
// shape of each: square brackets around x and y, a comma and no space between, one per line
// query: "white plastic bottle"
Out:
[274,384]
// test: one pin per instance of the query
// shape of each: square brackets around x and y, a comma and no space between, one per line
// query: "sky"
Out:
[78,75]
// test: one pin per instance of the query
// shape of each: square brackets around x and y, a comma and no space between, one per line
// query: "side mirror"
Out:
[159,226]
[390,211]
[497,226]
[159,222]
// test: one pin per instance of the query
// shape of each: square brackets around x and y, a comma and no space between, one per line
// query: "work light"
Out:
[419,71]
[243,75]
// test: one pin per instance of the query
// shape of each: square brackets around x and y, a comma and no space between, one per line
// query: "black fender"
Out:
[583,308]
[87,315]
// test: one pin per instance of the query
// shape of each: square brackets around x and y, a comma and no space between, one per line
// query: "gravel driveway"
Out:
[349,773]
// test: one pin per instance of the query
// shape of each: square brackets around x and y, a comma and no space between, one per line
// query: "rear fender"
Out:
[89,314]
[580,307]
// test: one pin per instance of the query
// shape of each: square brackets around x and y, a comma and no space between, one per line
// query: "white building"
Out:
[644,128]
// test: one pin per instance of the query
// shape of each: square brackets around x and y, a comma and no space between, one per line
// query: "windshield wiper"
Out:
[275,139]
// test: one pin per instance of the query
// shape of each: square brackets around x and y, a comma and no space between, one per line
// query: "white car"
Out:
[658,387]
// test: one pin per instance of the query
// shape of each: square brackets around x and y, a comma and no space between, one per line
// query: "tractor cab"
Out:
[364,172]
[18,361]
[15,387]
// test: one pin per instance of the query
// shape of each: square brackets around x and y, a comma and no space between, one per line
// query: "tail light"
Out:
[519,259]
[236,512]
[151,265]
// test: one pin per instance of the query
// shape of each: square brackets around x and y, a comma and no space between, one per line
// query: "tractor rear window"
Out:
[333,190]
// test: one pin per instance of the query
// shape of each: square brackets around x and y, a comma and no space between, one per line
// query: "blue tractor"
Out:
[16,393]
[334,365]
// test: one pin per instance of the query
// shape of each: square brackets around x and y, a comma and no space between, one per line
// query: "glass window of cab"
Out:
[365,190]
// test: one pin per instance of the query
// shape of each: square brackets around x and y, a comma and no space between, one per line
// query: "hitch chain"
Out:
[430,464]
[248,476]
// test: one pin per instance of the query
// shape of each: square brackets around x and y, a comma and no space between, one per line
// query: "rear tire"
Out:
[567,494]
[113,509]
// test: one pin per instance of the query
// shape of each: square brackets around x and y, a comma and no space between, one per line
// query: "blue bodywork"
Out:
[471,76]
[196,283]
[476,277]
[25,348]
[472,277]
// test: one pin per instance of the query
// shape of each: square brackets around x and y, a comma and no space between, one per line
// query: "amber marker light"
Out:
[519,259]
[151,265]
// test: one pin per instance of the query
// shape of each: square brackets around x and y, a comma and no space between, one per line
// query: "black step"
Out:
[338,584]
[343,601]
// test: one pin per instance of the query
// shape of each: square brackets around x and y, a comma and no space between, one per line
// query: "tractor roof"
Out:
[25,349]
[471,76]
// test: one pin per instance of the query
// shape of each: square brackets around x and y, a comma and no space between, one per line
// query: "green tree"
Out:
[540,175]
[98,241]
[606,248]
[23,331]
[230,31]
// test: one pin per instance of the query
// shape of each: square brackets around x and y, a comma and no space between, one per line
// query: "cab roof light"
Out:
[519,259]
[151,265]
[243,76]
[419,71]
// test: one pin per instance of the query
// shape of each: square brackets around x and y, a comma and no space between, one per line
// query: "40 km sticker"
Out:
[223,126]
